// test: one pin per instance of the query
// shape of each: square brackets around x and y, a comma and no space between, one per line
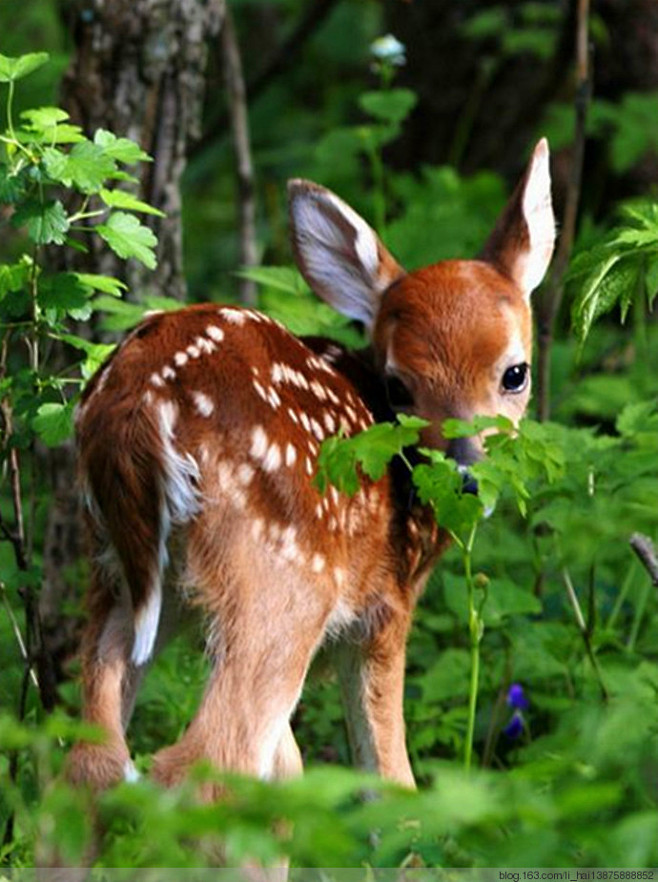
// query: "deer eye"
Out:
[515,378]
[398,394]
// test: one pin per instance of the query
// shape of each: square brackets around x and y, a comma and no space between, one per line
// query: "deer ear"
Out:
[521,244]
[338,254]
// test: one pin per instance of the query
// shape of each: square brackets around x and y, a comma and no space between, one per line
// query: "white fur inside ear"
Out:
[538,215]
[339,254]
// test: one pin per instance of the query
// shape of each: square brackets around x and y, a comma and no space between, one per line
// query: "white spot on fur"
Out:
[156,380]
[259,442]
[234,316]
[317,429]
[203,404]
[317,563]
[193,351]
[277,372]
[180,359]
[244,474]
[260,390]
[309,466]
[273,398]
[319,390]
[329,422]
[203,344]
[305,421]
[291,455]
[272,459]
[293,416]
[168,373]
[215,333]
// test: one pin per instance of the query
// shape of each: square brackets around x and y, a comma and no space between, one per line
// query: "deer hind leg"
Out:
[268,625]
[371,673]
[107,685]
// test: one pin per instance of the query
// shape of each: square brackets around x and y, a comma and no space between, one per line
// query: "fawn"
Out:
[198,441]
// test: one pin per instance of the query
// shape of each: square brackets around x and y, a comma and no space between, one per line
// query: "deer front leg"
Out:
[371,675]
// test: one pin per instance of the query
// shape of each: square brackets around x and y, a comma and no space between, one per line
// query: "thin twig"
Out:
[554,292]
[646,552]
[284,57]
[237,107]
[17,634]
[584,631]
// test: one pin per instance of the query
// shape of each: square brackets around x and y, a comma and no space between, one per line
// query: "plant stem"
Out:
[10,101]
[475,628]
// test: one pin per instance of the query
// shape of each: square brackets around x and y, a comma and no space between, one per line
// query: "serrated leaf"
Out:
[16,68]
[45,222]
[372,450]
[127,237]
[122,199]
[49,124]
[63,291]
[54,423]
[86,167]
[121,149]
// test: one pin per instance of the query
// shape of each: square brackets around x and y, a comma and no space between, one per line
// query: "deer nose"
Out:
[465,453]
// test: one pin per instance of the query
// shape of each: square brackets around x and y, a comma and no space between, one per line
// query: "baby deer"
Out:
[198,443]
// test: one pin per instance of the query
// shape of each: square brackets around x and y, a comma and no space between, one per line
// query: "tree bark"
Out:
[138,70]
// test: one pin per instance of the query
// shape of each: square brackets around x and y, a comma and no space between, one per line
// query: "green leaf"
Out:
[12,185]
[49,124]
[121,314]
[464,429]
[13,277]
[439,484]
[86,167]
[96,353]
[45,222]
[122,199]
[105,284]
[390,105]
[54,423]
[63,291]
[281,278]
[120,149]
[16,68]
[128,238]
[42,118]
[372,450]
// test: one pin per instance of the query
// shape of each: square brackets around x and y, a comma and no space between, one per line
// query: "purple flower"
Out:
[515,697]
[515,726]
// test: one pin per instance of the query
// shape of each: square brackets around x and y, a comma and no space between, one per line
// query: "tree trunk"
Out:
[138,70]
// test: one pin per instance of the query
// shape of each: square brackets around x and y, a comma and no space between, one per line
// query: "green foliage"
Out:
[619,269]
[43,158]
[576,788]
